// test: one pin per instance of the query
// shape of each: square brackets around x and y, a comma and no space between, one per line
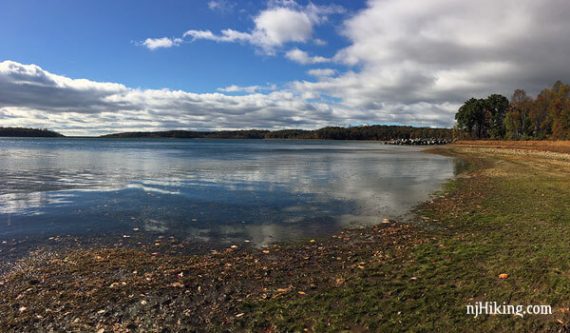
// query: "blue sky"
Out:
[97,40]
[86,67]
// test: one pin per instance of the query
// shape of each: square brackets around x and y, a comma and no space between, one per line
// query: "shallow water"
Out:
[218,191]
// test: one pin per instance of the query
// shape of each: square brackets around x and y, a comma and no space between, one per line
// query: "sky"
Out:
[94,67]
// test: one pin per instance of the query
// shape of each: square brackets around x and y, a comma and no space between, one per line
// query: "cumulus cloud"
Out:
[160,43]
[223,6]
[302,57]
[247,89]
[227,35]
[280,23]
[32,96]
[319,42]
[321,72]
[417,61]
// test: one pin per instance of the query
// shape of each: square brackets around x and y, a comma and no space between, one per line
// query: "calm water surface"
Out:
[217,191]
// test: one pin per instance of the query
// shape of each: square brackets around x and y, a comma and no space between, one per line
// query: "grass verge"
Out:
[509,214]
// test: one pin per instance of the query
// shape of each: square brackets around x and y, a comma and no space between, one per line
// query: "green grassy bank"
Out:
[509,214]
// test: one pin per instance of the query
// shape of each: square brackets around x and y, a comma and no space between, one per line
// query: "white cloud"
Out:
[273,28]
[321,72]
[34,97]
[159,43]
[415,62]
[304,58]
[319,42]
[227,35]
[280,23]
[247,89]
[223,6]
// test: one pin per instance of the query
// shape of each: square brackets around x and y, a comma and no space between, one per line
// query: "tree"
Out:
[497,105]
[559,111]
[471,117]
[541,123]
[547,116]
[517,121]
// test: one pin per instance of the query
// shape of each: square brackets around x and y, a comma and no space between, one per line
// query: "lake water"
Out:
[218,191]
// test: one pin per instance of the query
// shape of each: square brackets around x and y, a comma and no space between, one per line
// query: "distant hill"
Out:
[28,132]
[375,132]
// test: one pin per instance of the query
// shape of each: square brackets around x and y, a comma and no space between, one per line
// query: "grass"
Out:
[562,146]
[511,215]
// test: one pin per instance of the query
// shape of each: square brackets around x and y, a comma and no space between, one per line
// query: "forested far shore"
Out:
[547,116]
[372,133]
[28,132]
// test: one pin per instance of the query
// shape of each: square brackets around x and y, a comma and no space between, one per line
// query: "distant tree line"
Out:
[545,117]
[28,132]
[374,132]
[181,134]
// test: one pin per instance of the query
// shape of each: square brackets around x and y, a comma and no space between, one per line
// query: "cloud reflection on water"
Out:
[221,191]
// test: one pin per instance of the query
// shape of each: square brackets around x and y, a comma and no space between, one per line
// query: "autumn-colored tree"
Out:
[559,110]
[546,117]
[541,123]
[517,120]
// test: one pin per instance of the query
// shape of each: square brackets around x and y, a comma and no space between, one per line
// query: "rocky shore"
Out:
[419,142]
[130,290]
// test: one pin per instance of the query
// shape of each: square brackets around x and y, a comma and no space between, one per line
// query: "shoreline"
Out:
[389,276]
